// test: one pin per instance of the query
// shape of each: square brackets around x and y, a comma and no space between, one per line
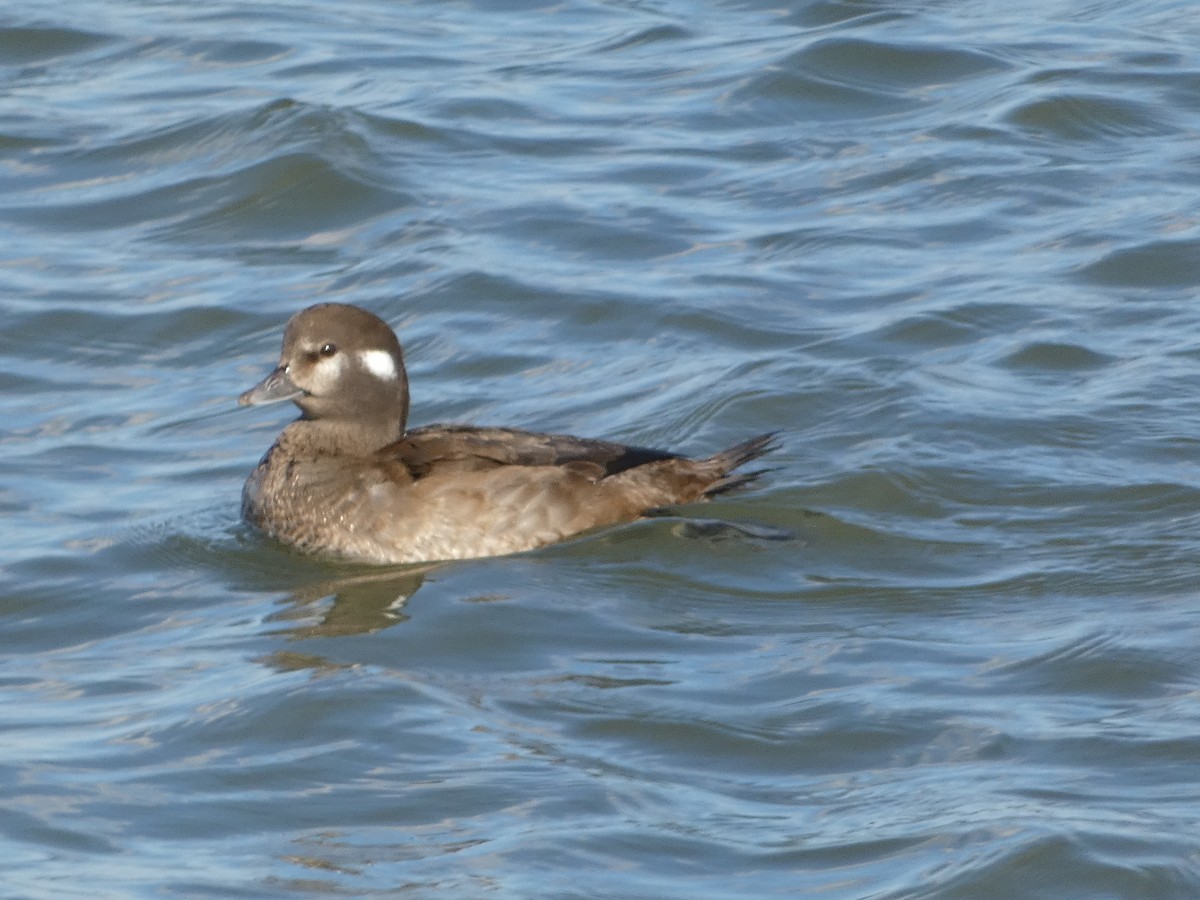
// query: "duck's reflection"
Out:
[356,603]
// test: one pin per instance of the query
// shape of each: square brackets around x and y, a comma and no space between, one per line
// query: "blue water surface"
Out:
[946,649]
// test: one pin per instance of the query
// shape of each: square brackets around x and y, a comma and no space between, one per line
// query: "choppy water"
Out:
[947,650]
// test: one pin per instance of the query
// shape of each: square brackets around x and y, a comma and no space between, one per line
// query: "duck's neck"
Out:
[338,436]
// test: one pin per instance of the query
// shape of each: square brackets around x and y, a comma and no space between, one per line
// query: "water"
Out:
[946,650]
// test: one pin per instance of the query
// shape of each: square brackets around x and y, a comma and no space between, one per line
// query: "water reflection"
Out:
[361,603]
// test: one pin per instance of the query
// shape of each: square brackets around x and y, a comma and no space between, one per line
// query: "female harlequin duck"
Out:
[347,479]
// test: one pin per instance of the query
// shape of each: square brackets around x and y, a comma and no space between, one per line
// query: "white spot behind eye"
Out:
[325,374]
[379,363]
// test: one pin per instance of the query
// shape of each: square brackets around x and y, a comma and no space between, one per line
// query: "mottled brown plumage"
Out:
[347,479]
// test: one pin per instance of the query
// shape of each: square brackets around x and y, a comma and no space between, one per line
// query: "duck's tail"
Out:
[724,463]
[669,482]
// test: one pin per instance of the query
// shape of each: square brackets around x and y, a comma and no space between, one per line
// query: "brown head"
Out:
[339,364]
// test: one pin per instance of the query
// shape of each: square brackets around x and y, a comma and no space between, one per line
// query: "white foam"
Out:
[379,363]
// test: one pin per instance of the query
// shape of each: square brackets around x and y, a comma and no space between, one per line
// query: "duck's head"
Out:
[339,362]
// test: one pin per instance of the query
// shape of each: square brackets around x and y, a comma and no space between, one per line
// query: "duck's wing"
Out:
[446,448]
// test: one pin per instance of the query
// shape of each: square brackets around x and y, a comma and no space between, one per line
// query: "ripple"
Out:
[893,65]
[293,197]
[942,329]
[790,91]
[1034,859]
[1155,264]
[1097,662]
[1083,117]
[27,46]
[644,37]
[851,77]
[235,52]
[314,173]
[1051,356]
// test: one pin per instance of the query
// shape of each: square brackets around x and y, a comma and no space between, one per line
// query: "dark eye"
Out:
[328,350]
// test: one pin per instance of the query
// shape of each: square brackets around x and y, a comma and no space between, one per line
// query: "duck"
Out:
[349,479]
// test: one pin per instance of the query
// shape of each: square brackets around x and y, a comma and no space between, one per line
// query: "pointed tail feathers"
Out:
[724,463]
[669,482]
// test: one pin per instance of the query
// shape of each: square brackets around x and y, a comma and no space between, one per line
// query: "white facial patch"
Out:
[325,375]
[379,363]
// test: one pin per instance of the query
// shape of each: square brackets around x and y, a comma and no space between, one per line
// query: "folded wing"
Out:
[464,448]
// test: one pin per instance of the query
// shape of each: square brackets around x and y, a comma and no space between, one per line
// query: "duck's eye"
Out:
[328,349]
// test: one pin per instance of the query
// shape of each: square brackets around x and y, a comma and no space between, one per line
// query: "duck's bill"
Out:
[275,388]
